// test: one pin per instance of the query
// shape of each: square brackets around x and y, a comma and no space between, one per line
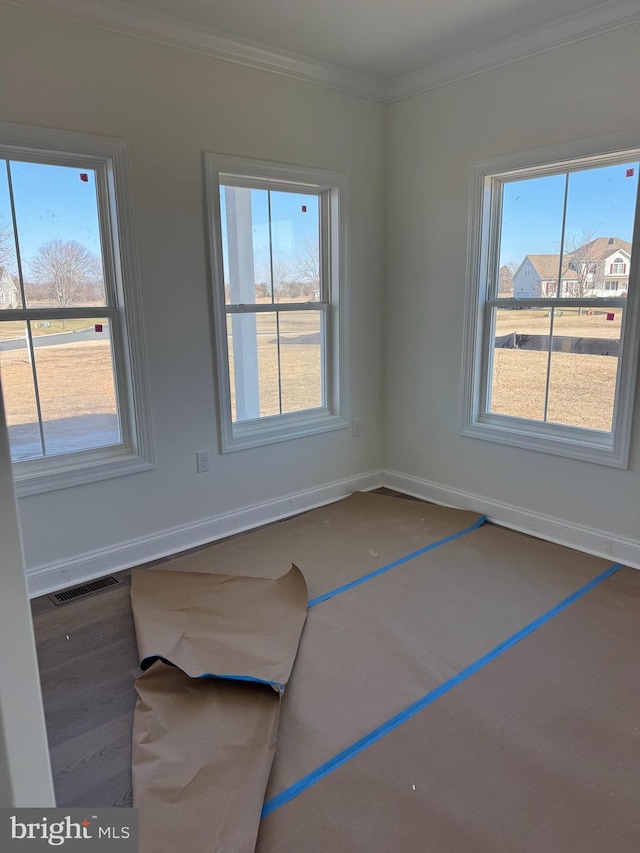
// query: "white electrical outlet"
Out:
[202,461]
[355,429]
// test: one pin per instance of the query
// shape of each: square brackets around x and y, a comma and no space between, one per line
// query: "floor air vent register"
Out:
[84,590]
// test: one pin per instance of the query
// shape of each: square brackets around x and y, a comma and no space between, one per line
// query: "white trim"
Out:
[62,573]
[168,30]
[72,469]
[218,170]
[587,539]
[165,29]
[559,33]
[482,248]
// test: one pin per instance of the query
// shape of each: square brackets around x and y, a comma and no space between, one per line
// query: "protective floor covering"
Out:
[538,752]
[440,591]
[217,651]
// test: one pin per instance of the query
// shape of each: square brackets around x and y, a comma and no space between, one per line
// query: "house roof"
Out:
[600,248]
[546,267]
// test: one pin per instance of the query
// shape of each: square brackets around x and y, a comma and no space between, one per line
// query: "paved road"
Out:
[58,339]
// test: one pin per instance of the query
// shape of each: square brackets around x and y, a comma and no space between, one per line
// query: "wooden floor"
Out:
[88,662]
[87,656]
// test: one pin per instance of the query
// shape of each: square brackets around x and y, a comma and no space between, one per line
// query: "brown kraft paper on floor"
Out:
[538,752]
[395,637]
[203,745]
[331,545]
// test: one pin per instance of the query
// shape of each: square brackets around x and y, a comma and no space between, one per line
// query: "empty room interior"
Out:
[319,424]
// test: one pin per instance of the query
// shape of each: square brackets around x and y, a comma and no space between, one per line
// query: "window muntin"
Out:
[571,391]
[278,237]
[71,357]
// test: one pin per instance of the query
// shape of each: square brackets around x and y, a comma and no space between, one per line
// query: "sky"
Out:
[294,225]
[600,200]
[51,202]
[57,202]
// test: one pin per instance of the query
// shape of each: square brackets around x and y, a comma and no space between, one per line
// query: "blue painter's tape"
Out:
[340,589]
[378,733]
[146,663]
[243,678]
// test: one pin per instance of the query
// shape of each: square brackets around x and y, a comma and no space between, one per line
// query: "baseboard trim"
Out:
[596,542]
[85,567]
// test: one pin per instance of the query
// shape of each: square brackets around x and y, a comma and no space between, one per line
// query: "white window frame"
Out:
[483,247]
[334,193]
[109,158]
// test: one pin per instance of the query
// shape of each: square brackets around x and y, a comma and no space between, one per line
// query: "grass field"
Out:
[300,363]
[75,383]
[76,380]
[569,323]
[16,328]
[581,388]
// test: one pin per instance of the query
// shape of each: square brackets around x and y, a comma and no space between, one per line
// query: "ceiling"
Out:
[380,38]
[381,49]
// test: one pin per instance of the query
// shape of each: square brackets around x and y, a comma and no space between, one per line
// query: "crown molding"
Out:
[603,18]
[165,29]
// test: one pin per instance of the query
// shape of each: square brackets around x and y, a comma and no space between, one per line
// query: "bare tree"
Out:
[505,278]
[580,255]
[308,263]
[262,289]
[281,273]
[7,251]
[66,269]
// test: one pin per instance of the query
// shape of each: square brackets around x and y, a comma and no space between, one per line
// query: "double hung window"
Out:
[550,361]
[278,236]
[70,348]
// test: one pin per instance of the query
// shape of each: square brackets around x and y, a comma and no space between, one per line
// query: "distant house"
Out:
[537,277]
[8,290]
[603,265]
[598,268]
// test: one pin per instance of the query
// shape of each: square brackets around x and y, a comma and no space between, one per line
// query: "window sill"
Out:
[35,476]
[570,442]
[241,436]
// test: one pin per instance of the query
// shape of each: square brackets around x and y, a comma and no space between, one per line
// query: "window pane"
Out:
[301,360]
[76,384]
[520,360]
[584,367]
[59,236]
[19,393]
[253,366]
[530,237]
[244,216]
[599,228]
[10,296]
[270,246]
[295,236]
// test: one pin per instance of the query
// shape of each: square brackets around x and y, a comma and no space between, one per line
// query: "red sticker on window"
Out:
[611,316]
[304,208]
[84,177]
[98,327]
[630,173]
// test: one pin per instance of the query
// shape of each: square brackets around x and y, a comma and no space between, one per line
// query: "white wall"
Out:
[583,90]
[25,772]
[172,105]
